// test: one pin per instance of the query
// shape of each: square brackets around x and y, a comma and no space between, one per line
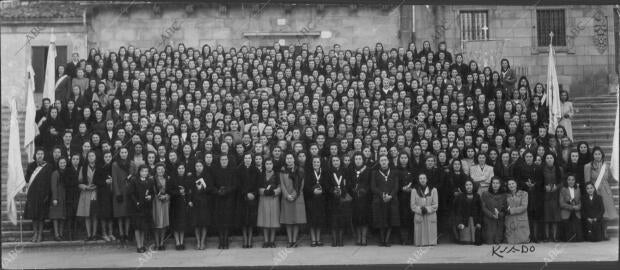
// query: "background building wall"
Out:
[582,68]
[16,52]
[351,28]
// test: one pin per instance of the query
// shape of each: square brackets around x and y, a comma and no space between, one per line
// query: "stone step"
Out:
[598,115]
[599,122]
[235,242]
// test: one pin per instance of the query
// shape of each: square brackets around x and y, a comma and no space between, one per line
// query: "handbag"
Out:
[346,198]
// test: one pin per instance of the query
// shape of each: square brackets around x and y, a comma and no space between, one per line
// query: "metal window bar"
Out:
[474,25]
[551,20]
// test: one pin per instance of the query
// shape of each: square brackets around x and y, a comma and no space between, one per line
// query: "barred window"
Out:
[551,20]
[474,25]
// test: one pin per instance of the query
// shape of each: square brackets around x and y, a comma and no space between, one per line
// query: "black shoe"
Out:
[57,238]
[273,244]
[139,250]
[319,243]
[177,247]
[143,249]
[313,244]
[290,244]
[182,246]
[365,243]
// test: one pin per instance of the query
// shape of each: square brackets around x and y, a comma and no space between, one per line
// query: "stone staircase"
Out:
[593,122]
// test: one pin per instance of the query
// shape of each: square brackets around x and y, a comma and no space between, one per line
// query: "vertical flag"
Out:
[15,171]
[30,126]
[553,91]
[49,87]
[614,152]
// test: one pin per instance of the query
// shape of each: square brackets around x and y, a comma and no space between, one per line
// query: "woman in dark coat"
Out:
[141,191]
[570,210]
[201,190]
[72,193]
[359,176]
[551,175]
[525,174]
[385,213]
[406,185]
[339,201]
[468,215]
[57,208]
[247,198]
[123,171]
[179,208]
[314,187]
[494,204]
[38,179]
[225,202]
[592,211]
[103,181]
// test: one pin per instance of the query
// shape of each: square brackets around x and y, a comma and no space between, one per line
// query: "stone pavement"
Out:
[112,256]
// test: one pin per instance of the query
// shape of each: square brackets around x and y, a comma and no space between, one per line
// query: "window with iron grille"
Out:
[551,20]
[474,25]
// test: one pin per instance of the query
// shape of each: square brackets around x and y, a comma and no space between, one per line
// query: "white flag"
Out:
[614,152]
[15,171]
[553,93]
[49,87]
[30,126]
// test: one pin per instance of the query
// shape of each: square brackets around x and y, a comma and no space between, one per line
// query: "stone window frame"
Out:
[535,49]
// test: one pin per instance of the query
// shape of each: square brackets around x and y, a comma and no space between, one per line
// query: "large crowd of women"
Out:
[409,142]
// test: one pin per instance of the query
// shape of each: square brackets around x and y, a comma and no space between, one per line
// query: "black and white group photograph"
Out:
[310,134]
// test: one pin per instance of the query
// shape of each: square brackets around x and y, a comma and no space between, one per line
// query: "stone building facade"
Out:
[587,61]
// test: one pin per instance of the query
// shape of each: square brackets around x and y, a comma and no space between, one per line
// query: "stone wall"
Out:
[140,27]
[582,68]
[16,54]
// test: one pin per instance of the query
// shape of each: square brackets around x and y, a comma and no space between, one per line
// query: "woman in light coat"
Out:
[517,224]
[424,204]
